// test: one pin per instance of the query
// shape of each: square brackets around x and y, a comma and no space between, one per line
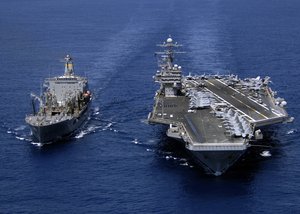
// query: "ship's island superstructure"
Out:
[63,106]
[216,116]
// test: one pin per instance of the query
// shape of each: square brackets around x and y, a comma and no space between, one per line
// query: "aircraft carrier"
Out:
[216,116]
[63,106]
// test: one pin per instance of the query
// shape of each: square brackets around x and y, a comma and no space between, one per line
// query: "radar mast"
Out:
[69,70]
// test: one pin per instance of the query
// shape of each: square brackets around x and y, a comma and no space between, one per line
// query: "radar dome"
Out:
[169,40]
[283,103]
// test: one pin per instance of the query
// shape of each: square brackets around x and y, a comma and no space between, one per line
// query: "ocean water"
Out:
[117,163]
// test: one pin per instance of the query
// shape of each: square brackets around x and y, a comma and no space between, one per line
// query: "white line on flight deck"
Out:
[241,101]
[250,107]
[230,104]
[243,104]
[242,94]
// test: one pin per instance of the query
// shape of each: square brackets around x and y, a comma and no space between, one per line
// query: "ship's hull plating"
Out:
[59,131]
[216,162]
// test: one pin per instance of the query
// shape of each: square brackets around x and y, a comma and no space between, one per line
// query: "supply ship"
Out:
[63,106]
[217,117]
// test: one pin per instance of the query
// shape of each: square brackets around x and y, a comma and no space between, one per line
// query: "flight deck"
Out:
[216,116]
[258,114]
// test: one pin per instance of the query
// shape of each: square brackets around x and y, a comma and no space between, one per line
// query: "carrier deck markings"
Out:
[226,94]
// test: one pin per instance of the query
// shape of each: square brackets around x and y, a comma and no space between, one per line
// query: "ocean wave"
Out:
[109,127]
[135,141]
[37,144]
[184,164]
[178,160]
[20,128]
[292,131]
[81,134]
[170,157]
[96,111]
[88,130]
[20,138]
[265,153]
[20,132]
[40,144]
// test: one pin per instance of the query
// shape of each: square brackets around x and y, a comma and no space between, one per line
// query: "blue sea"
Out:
[117,163]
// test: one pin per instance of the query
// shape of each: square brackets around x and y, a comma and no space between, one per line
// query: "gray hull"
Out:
[216,116]
[216,162]
[59,131]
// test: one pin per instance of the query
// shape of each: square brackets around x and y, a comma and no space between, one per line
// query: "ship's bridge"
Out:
[65,88]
